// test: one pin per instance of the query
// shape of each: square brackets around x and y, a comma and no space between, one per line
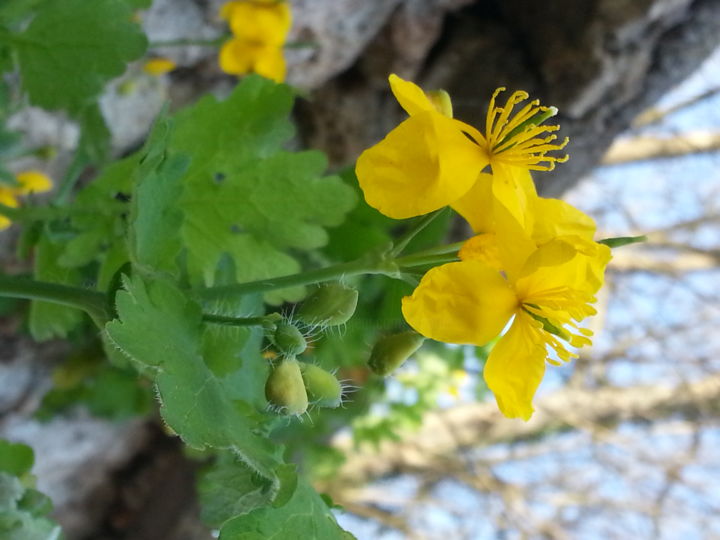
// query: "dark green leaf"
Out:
[72,48]
[304,516]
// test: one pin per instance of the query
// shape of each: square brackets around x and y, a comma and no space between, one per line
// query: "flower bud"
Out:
[288,339]
[390,352]
[330,304]
[441,101]
[285,388]
[323,389]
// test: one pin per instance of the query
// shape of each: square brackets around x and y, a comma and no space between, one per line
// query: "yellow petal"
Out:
[410,96]
[513,187]
[513,241]
[483,248]
[159,66]
[235,57]
[261,22]
[464,302]
[8,199]
[516,366]
[555,218]
[423,164]
[560,265]
[33,182]
[271,64]
[477,204]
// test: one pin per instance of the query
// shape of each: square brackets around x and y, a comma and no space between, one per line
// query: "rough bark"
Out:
[600,61]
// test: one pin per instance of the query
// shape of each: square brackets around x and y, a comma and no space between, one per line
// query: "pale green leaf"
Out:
[49,320]
[244,196]
[160,330]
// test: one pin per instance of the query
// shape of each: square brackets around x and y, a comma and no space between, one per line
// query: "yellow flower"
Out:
[159,66]
[432,160]
[259,29]
[545,291]
[545,220]
[28,182]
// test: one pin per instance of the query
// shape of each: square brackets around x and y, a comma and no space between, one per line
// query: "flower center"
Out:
[519,140]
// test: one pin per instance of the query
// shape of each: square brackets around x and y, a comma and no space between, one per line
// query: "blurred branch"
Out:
[650,147]
[654,115]
[685,260]
[473,425]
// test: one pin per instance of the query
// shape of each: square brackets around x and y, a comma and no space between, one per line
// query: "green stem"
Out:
[413,231]
[80,160]
[28,214]
[92,302]
[236,321]
[185,42]
[416,260]
[432,252]
[388,267]
[328,273]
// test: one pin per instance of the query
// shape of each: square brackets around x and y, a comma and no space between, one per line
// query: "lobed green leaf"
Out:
[72,48]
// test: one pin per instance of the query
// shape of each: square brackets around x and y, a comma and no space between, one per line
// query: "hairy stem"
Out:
[92,302]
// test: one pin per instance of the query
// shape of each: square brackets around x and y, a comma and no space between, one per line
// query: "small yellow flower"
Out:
[28,182]
[545,291]
[432,160]
[8,199]
[259,28]
[159,66]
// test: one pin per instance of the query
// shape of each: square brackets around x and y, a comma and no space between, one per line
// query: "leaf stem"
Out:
[388,266]
[186,42]
[80,160]
[329,273]
[413,231]
[92,302]
[237,321]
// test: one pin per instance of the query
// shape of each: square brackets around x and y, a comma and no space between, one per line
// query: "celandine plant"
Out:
[181,252]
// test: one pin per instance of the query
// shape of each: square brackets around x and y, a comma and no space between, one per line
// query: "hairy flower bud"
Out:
[285,388]
[390,352]
[330,304]
[323,389]
[288,339]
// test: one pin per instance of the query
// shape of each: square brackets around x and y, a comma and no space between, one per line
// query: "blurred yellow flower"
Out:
[432,160]
[545,291]
[159,66]
[27,182]
[259,28]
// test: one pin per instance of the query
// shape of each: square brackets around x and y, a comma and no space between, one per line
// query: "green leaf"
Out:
[72,48]
[155,216]
[107,391]
[364,228]
[160,330]
[52,320]
[95,136]
[15,458]
[138,4]
[246,197]
[304,516]
[620,241]
[97,219]
[12,10]
[22,512]
[228,489]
